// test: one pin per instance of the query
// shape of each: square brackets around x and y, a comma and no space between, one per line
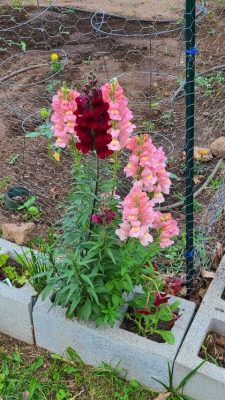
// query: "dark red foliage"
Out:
[93,122]
[161,298]
[173,285]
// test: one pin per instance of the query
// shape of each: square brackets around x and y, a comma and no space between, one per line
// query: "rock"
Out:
[202,154]
[218,147]
[18,233]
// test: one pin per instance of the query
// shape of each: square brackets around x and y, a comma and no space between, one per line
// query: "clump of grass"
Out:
[29,373]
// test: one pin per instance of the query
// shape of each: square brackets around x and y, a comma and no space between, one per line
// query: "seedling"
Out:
[31,210]
[13,159]
[5,181]
[44,113]
[11,272]
[149,126]
[43,130]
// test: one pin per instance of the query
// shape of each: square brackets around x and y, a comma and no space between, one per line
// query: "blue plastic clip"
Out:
[192,51]
[190,254]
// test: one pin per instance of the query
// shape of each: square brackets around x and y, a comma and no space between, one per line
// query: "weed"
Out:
[43,130]
[173,392]
[12,161]
[43,378]
[5,181]
[197,206]
[53,85]
[149,126]
[174,257]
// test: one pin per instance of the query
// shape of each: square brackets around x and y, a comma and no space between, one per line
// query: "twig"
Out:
[77,395]
[20,71]
[198,192]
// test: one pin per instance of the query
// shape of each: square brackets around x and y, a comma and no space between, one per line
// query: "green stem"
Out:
[96,189]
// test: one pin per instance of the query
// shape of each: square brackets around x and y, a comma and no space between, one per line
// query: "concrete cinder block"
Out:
[16,312]
[209,381]
[16,304]
[141,358]
[12,249]
[216,289]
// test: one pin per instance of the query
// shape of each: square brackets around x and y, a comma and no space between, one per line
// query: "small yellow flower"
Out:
[54,57]
[202,152]
[56,156]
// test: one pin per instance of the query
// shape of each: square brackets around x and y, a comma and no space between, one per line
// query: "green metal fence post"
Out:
[190,15]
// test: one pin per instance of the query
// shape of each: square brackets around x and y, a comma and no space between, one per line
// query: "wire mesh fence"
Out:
[144,47]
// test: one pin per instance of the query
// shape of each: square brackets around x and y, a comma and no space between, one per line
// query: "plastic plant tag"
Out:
[7,282]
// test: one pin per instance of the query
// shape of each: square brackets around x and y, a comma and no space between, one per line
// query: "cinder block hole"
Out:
[213,348]
[223,295]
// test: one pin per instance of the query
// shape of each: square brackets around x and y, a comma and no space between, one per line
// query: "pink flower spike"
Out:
[120,115]
[64,105]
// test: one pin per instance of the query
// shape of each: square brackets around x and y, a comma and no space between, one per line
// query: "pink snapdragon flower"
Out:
[137,216]
[147,165]
[167,227]
[63,118]
[120,115]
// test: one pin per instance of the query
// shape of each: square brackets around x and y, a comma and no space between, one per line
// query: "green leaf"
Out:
[93,294]
[116,300]
[165,314]
[47,290]
[84,311]
[110,254]
[27,203]
[189,376]
[175,305]
[3,259]
[168,336]
[74,356]
[87,280]
[37,363]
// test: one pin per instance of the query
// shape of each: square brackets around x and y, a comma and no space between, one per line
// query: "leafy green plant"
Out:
[44,113]
[31,210]
[14,159]
[16,4]
[38,263]
[5,181]
[52,85]
[15,277]
[43,130]
[149,126]
[151,307]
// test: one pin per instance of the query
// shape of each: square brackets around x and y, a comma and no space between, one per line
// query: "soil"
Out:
[213,349]
[129,325]
[145,9]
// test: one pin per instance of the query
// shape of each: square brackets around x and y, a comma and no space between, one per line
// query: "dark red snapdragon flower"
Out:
[105,217]
[93,121]
[161,298]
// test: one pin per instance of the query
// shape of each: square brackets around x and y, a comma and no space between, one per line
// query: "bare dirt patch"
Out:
[145,9]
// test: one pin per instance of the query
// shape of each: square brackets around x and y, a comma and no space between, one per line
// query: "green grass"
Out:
[30,373]
[27,373]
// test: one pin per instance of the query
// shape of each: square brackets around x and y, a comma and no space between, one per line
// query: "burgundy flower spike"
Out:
[93,121]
